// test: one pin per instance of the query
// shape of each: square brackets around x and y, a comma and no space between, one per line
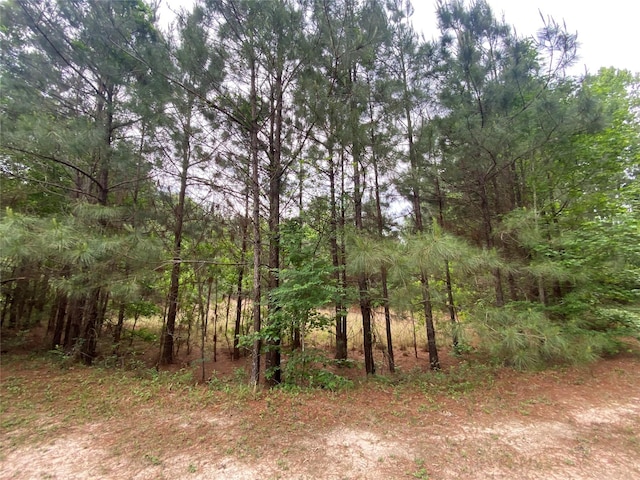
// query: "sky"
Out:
[608,31]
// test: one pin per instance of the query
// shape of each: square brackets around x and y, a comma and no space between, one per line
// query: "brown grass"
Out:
[408,334]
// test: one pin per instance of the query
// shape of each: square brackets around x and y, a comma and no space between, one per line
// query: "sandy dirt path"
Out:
[581,425]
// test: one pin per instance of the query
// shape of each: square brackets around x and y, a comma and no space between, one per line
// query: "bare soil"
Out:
[64,421]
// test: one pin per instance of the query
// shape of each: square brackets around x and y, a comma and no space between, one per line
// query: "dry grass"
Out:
[403,329]
[408,333]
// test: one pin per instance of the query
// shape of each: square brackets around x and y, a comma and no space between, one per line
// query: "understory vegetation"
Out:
[314,186]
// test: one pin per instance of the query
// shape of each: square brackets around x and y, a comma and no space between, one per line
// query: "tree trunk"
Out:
[363,287]
[5,306]
[488,233]
[241,270]
[387,320]
[168,339]
[272,360]
[31,289]
[102,311]
[341,331]
[117,332]
[41,299]
[447,271]
[257,241]
[342,287]
[89,339]
[58,324]
[174,288]
[74,321]
[204,326]
[434,361]
[383,270]
[451,306]
[236,330]
[365,309]
[18,301]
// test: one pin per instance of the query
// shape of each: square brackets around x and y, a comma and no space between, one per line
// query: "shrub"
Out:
[309,368]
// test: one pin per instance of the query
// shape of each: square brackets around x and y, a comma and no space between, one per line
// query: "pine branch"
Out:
[55,160]
[23,6]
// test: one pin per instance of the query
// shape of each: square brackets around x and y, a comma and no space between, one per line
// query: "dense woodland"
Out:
[280,162]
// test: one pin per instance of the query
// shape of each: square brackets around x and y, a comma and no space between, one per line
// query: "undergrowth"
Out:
[524,335]
[458,380]
[312,369]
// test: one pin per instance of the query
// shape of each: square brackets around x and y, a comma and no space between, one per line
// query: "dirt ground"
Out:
[469,422]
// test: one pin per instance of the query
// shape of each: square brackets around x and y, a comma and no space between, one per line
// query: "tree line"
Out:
[304,156]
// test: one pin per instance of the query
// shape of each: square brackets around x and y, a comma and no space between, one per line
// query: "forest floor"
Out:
[62,420]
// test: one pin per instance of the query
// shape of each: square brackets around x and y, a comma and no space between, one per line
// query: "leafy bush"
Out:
[308,368]
[146,335]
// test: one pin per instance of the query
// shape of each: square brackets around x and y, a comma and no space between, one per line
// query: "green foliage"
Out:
[522,335]
[306,285]
[146,335]
[78,254]
[461,379]
[142,309]
[368,254]
[308,369]
[457,380]
[421,471]
[530,176]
